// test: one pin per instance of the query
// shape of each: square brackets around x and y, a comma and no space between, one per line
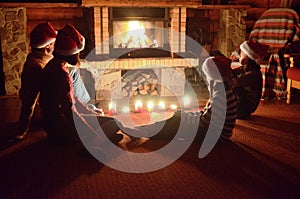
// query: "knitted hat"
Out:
[69,41]
[42,35]
[254,50]
[217,68]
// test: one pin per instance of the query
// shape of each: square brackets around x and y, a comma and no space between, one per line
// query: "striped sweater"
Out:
[220,112]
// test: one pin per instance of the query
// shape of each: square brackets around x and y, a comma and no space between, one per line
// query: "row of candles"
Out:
[139,106]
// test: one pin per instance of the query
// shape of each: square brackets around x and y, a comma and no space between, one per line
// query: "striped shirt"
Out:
[219,114]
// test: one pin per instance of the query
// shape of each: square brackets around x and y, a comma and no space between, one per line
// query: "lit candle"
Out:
[112,108]
[138,106]
[150,106]
[186,102]
[173,107]
[161,106]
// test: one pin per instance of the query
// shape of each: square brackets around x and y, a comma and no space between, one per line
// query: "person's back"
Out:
[56,86]
[221,109]
[31,76]
[42,40]
[218,98]
[56,100]
[65,116]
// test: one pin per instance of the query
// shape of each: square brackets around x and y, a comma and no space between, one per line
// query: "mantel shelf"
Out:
[142,63]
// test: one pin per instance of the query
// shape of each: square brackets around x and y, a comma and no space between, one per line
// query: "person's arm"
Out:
[246,78]
[237,71]
[83,108]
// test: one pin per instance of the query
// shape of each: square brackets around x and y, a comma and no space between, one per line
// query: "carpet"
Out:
[261,161]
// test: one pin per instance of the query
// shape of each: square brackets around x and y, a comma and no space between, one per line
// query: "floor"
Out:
[261,161]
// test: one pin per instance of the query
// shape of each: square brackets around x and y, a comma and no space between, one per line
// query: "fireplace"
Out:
[140,30]
[129,37]
[139,39]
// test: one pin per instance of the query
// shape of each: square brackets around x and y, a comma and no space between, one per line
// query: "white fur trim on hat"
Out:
[248,51]
[44,44]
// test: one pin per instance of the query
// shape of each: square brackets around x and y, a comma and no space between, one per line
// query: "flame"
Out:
[136,35]
[135,25]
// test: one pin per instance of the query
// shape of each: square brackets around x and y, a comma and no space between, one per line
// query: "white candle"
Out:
[112,108]
[138,106]
[161,106]
[150,106]
[173,107]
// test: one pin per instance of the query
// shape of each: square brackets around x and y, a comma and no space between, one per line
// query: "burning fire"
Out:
[135,36]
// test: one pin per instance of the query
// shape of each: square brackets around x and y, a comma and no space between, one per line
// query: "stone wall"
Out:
[232,30]
[14,46]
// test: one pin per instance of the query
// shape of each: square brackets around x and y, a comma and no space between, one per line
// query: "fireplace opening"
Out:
[139,32]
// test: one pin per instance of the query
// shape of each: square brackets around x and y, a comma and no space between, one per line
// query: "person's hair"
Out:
[72,59]
[37,49]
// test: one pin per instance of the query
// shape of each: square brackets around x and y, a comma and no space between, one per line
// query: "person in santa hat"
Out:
[248,77]
[216,120]
[66,118]
[42,39]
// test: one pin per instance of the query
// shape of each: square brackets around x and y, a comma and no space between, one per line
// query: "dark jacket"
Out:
[31,80]
[58,101]
[248,87]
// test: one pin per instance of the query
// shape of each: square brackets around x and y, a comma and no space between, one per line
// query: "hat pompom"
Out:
[217,68]
[69,41]
[42,35]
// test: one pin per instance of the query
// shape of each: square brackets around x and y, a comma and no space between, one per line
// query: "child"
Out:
[248,77]
[219,114]
[65,116]
[42,39]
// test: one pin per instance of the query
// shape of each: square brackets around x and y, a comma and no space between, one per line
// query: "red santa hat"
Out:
[42,35]
[69,41]
[217,68]
[254,50]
